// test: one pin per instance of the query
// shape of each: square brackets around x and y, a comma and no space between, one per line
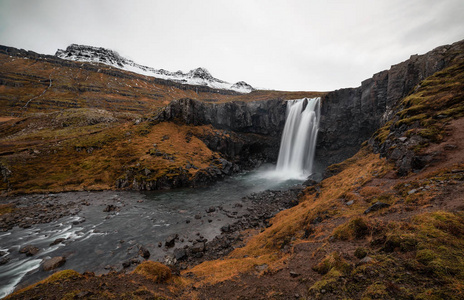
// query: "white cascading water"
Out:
[298,143]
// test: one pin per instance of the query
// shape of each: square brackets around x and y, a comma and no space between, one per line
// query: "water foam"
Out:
[298,144]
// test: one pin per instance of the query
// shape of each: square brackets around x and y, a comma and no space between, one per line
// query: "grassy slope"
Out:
[415,246]
[77,87]
[79,133]
[92,157]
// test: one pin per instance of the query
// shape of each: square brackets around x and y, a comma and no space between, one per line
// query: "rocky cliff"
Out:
[255,127]
[260,117]
[350,116]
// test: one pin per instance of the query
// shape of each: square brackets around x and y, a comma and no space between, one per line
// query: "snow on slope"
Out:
[199,76]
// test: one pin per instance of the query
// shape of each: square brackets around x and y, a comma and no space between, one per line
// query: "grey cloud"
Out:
[288,45]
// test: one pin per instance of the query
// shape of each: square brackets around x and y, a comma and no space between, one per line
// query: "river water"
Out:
[97,241]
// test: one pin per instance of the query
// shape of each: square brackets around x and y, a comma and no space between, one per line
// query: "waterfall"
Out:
[298,143]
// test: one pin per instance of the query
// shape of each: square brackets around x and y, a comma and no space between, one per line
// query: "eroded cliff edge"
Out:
[255,127]
[350,116]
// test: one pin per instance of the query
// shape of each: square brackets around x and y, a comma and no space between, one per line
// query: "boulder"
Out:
[29,250]
[4,261]
[365,260]
[171,240]
[143,252]
[211,209]
[198,247]
[180,254]
[294,274]
[57,241]
[110,208]
[53,263]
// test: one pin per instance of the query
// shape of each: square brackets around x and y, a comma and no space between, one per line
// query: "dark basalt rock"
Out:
[252,131]
[171,240]
[211,209]
[260,117]
[350,116]
[143,179]
[398,149]
[180,254]
[143,252]
[225,228]
[265,205]
[198,247]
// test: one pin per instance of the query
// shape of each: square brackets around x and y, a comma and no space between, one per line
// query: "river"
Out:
[96,240]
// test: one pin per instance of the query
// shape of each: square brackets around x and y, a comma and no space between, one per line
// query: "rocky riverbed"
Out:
[260,208]
[115,231]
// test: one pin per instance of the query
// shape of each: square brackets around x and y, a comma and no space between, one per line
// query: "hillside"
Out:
[32,82]
[93,122]
[387,223]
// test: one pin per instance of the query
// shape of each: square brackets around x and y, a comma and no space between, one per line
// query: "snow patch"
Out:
[198,76]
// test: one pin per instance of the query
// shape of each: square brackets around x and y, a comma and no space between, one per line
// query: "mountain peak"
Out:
[198,76]
[91,53]
[242,85]
[200,72]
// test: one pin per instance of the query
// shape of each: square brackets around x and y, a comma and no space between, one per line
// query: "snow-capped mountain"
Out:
[199,76]
[242,85]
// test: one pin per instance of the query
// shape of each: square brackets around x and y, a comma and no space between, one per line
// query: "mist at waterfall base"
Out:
[298,143]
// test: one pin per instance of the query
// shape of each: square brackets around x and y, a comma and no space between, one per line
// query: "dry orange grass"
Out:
[370,191]
[289,224]
[74,86]
[94,157]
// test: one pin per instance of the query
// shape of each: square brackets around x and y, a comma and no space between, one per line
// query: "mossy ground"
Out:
[69,284]
[410,249]
[154,271]
[70,127]
[328,247]
[435,101]
[104,87]
[42,155]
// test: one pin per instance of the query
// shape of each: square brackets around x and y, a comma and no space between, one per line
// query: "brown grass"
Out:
[74,87]
[154,271]
[287,226]
[93,157]
[6,208]
[54,279]
[369,191]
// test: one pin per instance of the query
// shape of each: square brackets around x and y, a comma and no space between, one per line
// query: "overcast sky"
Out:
[284,45]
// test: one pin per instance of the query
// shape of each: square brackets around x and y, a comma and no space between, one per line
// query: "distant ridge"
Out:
[198,76]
